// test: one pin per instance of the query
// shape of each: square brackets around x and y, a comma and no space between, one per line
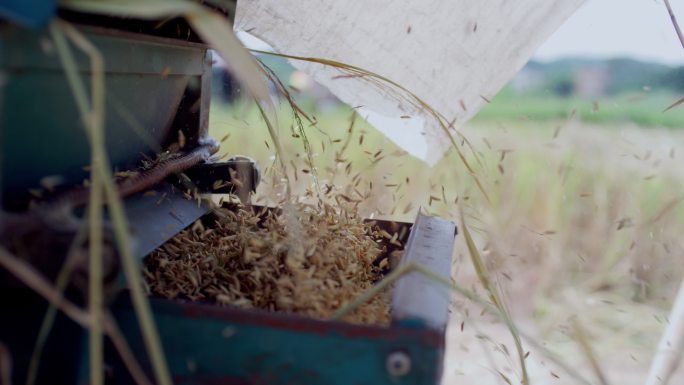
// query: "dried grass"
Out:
[5,365]
[92,113]
[304,259]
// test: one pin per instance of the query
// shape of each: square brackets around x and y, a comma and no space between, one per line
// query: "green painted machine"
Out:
[158,82]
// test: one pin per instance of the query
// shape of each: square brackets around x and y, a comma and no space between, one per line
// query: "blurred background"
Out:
[580,160]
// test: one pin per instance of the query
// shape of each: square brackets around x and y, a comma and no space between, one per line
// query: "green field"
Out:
[645,109]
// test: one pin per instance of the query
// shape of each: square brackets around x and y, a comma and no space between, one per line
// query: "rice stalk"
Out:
[34,280]
[144,9]
[140,303]
[583,341]
[373,291]
[674,22]
[38,283]
[124,350]
[110,326]
[297,113]
[95,300]
[483,276]
[339,154]
[94,122]
[275,137]
[5,365]
[416,101]
[283,90]
[350,130]
[468,294]
[49,318]
[675,104]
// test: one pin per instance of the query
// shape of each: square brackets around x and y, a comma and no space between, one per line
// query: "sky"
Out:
[608,28]
[639,29]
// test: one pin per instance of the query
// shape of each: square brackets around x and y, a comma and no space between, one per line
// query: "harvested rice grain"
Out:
[302,259]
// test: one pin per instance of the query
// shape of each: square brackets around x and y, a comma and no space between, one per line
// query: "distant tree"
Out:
[628,75]
[561,86]
[624,75]
[673,79]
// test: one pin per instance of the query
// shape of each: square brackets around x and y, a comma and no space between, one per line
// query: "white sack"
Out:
[448,52]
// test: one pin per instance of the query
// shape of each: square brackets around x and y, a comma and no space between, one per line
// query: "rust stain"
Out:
[300,324]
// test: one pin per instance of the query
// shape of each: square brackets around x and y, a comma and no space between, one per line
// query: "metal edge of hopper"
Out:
[209,344]
[277,347]
[154,218]
[418,300]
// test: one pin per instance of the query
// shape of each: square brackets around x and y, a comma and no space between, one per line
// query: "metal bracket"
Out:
[417,299]
[239,175]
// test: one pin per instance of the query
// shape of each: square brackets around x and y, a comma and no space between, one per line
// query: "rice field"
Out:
[582,222]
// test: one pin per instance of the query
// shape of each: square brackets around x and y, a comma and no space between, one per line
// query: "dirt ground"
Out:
[622,330]
[474,359]
[622,334]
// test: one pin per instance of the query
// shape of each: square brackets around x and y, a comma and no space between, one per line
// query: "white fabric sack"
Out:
[453,54]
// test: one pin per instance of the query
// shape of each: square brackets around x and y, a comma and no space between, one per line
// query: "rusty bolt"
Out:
[398,364]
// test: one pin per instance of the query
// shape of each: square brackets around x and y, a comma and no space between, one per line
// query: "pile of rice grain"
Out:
[302,259]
